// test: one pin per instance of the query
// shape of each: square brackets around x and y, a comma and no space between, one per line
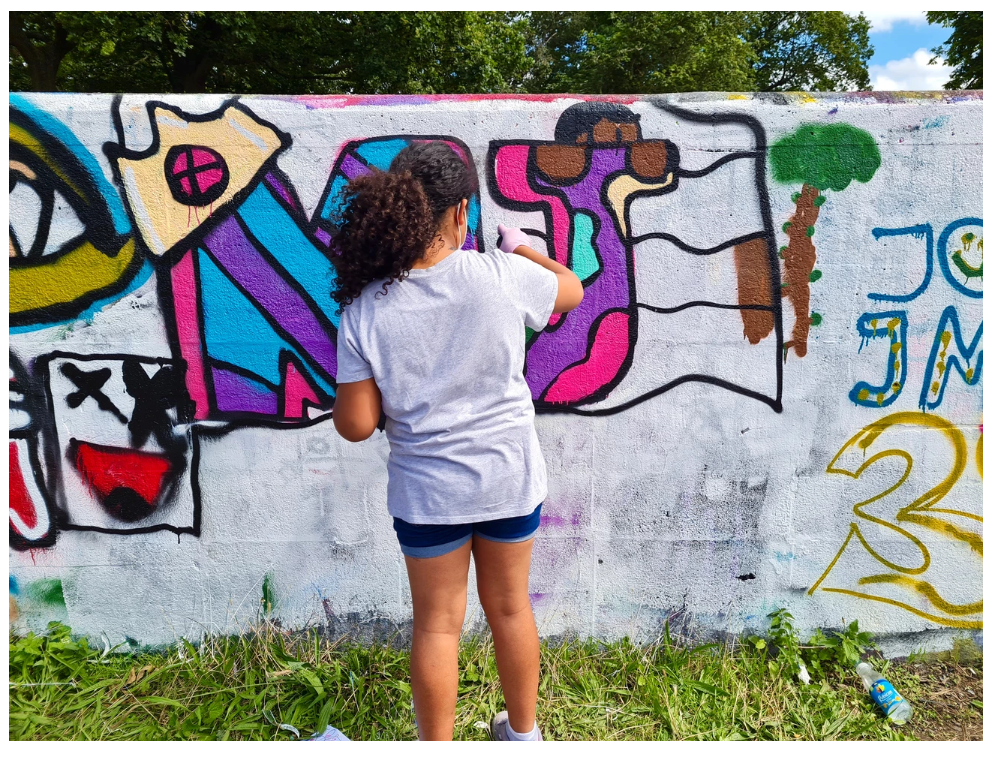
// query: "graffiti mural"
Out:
[173,357]
[900,549]
[586,183]
[360,156]
[238,264]
[69,238]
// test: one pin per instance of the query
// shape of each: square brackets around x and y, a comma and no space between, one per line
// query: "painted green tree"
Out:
[821,157]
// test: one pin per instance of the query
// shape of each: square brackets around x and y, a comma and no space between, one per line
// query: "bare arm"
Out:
[569,287]
[357,410]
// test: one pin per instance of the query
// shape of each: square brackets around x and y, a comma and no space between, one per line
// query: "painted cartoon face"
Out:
[68,238]
[123,463]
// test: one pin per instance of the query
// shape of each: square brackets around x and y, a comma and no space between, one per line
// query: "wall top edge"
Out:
[793,98]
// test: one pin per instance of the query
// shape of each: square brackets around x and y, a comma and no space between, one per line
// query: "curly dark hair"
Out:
[387,220]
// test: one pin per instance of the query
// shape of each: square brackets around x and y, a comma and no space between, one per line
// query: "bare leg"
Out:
[439,600]
[503,571]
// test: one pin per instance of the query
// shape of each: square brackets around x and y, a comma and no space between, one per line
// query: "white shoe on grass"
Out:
[501,731]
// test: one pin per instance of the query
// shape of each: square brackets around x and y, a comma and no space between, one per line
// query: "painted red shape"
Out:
[208,178]
[297,390]
[109,468]
[606,356]
[203,156]
[20,499]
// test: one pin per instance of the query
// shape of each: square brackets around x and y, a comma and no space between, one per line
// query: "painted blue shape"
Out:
[282,237]
[943,255]
[236,332]
[893,327]
[584,261]
[950,317]
[332,200]
[14,588]
[473,220]
[380,153]
[922,231]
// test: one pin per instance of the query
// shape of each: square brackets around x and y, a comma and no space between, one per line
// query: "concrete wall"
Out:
[771,396]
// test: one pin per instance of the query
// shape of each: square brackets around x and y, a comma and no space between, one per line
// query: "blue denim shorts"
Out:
[426,541]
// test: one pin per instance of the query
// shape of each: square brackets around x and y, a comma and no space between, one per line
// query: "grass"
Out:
[268,682]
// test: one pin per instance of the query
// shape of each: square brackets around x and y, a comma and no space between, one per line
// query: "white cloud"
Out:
[912,73]
[883,21]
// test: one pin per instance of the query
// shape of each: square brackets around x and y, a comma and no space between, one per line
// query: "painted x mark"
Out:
[88,385]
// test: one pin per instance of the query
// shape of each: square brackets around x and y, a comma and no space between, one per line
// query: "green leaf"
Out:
[313,680]
[702,687]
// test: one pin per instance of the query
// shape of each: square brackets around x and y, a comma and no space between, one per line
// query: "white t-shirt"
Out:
[446,347]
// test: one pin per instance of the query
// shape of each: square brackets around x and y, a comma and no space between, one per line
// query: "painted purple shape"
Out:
[551,352]
[323,236]
[238,394]
[281,190]
[352,167]
[261,282]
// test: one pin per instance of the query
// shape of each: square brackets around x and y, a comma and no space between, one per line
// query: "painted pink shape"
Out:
[180,164]
[512,176]
[202,157]
[296,392]
[185,184]
[208,178]
[185,309]
[609,350]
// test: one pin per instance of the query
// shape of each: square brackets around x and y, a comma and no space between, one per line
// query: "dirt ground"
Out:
[948,701]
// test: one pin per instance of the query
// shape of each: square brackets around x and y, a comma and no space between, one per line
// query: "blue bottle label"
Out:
[885,695]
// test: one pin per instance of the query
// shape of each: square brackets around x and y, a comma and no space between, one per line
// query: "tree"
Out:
[267,52]
[809,50]
[605,52]
[823,157]
[432,52]
[609,52]
[964,48]
[41,41]
[298,52]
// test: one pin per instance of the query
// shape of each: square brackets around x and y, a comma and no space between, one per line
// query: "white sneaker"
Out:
[500,729]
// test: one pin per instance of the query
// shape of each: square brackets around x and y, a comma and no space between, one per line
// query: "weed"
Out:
[271,684]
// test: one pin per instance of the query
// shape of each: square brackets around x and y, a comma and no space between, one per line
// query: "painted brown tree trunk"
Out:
[800,257]
[754,288]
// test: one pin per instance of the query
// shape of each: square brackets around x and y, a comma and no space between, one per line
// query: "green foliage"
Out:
[422,52]
[260,685]
[268,599]
[267,52]
[825,156]
[632,52]
[964,48]
[809,50]
[824,656]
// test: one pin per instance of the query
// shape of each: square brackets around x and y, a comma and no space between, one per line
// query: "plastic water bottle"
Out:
[884,694]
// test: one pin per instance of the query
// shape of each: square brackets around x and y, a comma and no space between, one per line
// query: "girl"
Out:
[434,335]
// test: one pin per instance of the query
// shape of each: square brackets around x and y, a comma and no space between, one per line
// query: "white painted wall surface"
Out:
[699,506]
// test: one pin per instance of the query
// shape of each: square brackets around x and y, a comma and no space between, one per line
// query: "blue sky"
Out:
[903,43]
